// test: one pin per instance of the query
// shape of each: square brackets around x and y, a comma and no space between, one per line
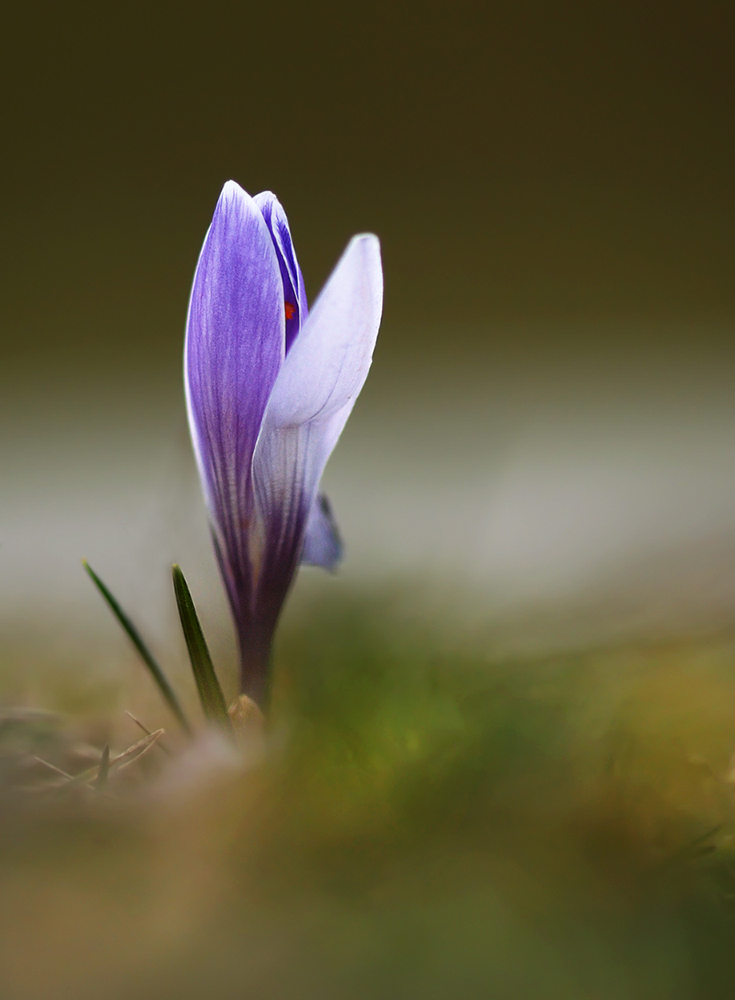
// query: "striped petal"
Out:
[235,344]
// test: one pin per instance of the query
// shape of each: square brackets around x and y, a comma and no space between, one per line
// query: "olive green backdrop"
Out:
[553,187]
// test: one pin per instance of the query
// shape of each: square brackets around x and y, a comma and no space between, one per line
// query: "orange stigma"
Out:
[290,310]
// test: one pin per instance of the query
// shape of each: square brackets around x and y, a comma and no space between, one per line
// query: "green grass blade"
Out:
[147,657]
[210,692]
[104,769]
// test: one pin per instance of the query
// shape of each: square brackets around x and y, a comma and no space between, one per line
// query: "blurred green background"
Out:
[548,428]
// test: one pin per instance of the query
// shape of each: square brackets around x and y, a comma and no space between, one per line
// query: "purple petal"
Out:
[314,393]
[322,541]
[294,295]
[234,350]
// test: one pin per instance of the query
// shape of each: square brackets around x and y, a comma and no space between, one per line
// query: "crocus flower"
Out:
[269,387]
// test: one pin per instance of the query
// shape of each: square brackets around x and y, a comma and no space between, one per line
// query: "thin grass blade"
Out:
[55,769]
[118,763]
[161,746]
[210,692]
[127,757]
[146,656]
[104,769]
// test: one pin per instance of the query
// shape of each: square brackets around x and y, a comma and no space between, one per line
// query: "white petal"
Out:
[328,364]
[317,386]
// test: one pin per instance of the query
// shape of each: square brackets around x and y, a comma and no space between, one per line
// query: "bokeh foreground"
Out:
[420,820]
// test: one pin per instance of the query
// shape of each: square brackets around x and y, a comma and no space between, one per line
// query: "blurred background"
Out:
[502,755]
[544,451]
